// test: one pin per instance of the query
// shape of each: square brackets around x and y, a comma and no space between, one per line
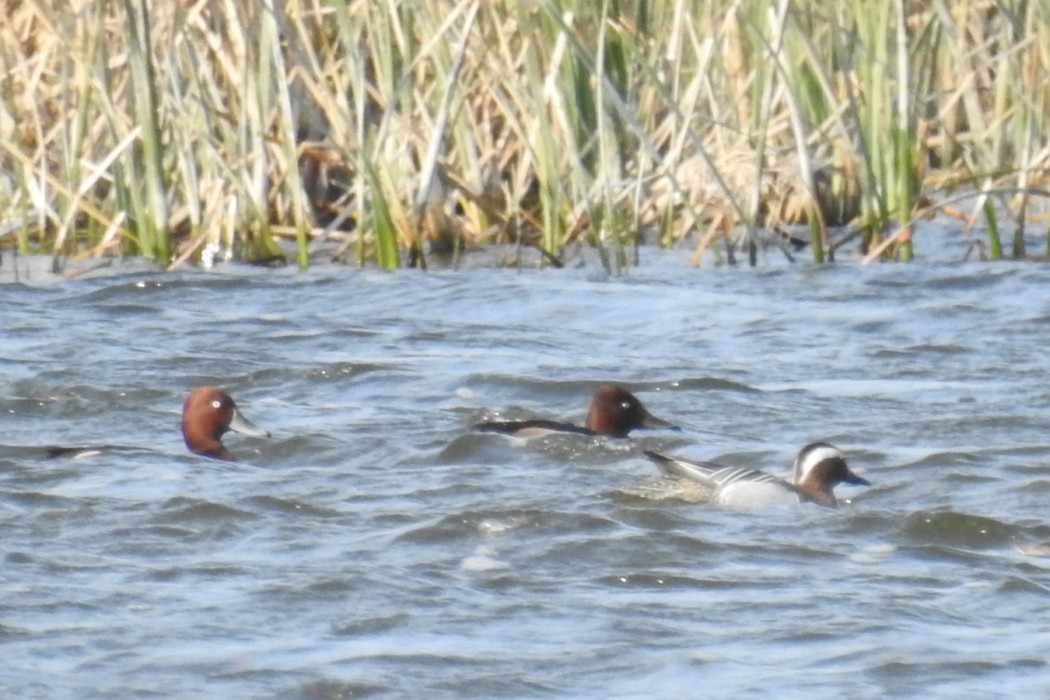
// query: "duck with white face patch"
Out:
[819,467]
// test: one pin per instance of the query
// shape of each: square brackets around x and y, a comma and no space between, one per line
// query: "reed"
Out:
[149,202]
[396,130]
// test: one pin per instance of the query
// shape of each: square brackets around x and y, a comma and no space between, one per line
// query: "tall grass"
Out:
[232,128]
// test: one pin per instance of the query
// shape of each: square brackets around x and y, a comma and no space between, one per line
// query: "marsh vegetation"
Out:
[187,130]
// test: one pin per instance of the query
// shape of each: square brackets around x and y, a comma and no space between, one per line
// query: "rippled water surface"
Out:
[375,547]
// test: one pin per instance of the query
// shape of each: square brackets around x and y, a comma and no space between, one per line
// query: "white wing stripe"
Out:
[733,475]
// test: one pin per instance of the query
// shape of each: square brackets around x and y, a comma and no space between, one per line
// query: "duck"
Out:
[818,468]
[209,412]
[614,412]
[206,416]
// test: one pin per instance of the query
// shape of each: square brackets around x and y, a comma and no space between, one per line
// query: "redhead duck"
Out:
[614,412]
[207,414]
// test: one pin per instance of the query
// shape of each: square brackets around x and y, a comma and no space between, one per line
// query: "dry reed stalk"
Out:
[465,122]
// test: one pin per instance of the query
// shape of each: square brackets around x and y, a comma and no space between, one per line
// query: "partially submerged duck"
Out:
[206,416]
[614,411]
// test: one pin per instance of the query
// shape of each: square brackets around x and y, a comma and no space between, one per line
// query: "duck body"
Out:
[818,468]
[614,411]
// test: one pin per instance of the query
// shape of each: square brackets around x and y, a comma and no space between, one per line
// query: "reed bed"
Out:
[387,131]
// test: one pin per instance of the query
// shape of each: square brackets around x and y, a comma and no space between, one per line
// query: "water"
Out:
[375,547]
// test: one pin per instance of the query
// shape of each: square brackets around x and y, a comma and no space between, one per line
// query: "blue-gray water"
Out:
[375,547]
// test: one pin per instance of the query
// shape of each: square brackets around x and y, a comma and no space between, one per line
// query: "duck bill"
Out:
[653,423]
[240,424]
[858,480]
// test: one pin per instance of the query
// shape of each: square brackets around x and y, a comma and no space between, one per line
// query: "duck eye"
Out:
[216,404]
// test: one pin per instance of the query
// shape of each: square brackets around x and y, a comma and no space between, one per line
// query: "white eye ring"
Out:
[216,404]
